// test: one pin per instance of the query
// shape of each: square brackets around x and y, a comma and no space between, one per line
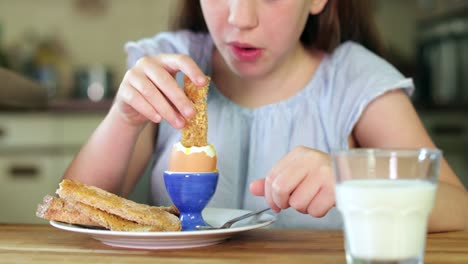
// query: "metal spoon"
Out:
[229,223]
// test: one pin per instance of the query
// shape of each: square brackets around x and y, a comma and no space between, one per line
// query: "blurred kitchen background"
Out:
[65,60]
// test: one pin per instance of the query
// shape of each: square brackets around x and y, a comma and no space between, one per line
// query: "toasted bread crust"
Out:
[76,192]
[54,208]
[113,222]
[196,129]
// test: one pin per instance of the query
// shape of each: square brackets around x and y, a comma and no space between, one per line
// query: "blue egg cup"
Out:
[190,192]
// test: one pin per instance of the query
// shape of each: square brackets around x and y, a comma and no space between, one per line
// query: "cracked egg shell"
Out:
[192,159]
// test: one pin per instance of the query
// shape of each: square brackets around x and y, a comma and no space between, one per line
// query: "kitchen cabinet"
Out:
[35,150]
[449,131]
[25,178]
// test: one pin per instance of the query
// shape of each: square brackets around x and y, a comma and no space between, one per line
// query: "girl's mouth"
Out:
[245,52]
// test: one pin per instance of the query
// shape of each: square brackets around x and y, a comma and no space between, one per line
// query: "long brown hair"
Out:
[340,21]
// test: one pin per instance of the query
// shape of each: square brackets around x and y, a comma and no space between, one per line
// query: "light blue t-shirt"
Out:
[250,141]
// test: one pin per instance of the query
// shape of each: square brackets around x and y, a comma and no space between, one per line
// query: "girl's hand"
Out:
[303,179]
[149,90]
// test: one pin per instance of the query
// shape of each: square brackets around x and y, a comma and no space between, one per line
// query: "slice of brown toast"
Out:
[54,208]
[157,217]
[196,129]
[114,222]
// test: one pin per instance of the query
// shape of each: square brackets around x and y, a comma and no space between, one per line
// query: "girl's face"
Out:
[255,37]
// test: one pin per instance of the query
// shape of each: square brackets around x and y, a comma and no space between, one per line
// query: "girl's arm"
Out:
[112,153]
[390,121]
[118,150]
[141,158]
[303,179]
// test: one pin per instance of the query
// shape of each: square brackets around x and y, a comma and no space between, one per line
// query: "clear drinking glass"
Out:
[385,197]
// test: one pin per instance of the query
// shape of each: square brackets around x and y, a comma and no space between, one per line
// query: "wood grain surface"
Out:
[46,244]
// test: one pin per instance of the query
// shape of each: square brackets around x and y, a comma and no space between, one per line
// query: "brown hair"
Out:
[340,21]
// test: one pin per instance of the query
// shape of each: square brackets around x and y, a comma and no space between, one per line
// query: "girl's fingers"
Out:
[321,196]
[297,178]
[151,94]
[257,187]
[160,70]
[325,199]
[322,202]
[183,63]
[285,177]
[284,184]
[304,194]
[269,193]
[168,86]
[149,90]
[134,99]
[275,195]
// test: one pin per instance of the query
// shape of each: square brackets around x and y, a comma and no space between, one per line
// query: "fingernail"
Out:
[188,111]
[157,118]
[201,80]
[179,122]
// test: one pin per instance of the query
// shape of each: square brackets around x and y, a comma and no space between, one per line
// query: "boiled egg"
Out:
[192,159]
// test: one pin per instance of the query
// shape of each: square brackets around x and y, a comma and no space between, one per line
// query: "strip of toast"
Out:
[114,222]
[196,129]
[54,208]
[76,192]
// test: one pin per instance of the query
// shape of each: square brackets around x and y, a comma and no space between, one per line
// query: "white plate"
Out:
[184,239]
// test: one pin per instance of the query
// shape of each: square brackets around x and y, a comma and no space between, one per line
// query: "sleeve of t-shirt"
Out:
[360,76]
[180,42]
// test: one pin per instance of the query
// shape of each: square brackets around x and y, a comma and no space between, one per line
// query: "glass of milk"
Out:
[385,197]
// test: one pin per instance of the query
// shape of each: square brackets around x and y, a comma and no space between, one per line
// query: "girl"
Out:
[291,80]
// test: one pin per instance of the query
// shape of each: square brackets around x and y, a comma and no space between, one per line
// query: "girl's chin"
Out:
[249,71]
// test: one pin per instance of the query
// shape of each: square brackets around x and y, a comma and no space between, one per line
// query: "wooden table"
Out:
[46,244]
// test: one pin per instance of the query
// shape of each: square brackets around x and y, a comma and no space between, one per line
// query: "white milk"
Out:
[385,219]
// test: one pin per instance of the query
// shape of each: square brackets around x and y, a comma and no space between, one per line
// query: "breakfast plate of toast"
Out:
[117,221]
[174,239]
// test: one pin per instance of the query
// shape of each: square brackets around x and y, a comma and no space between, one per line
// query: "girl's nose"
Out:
[243,14]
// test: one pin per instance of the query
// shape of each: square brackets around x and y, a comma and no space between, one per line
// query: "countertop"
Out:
[76,105]
[62,106]
[46,244]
